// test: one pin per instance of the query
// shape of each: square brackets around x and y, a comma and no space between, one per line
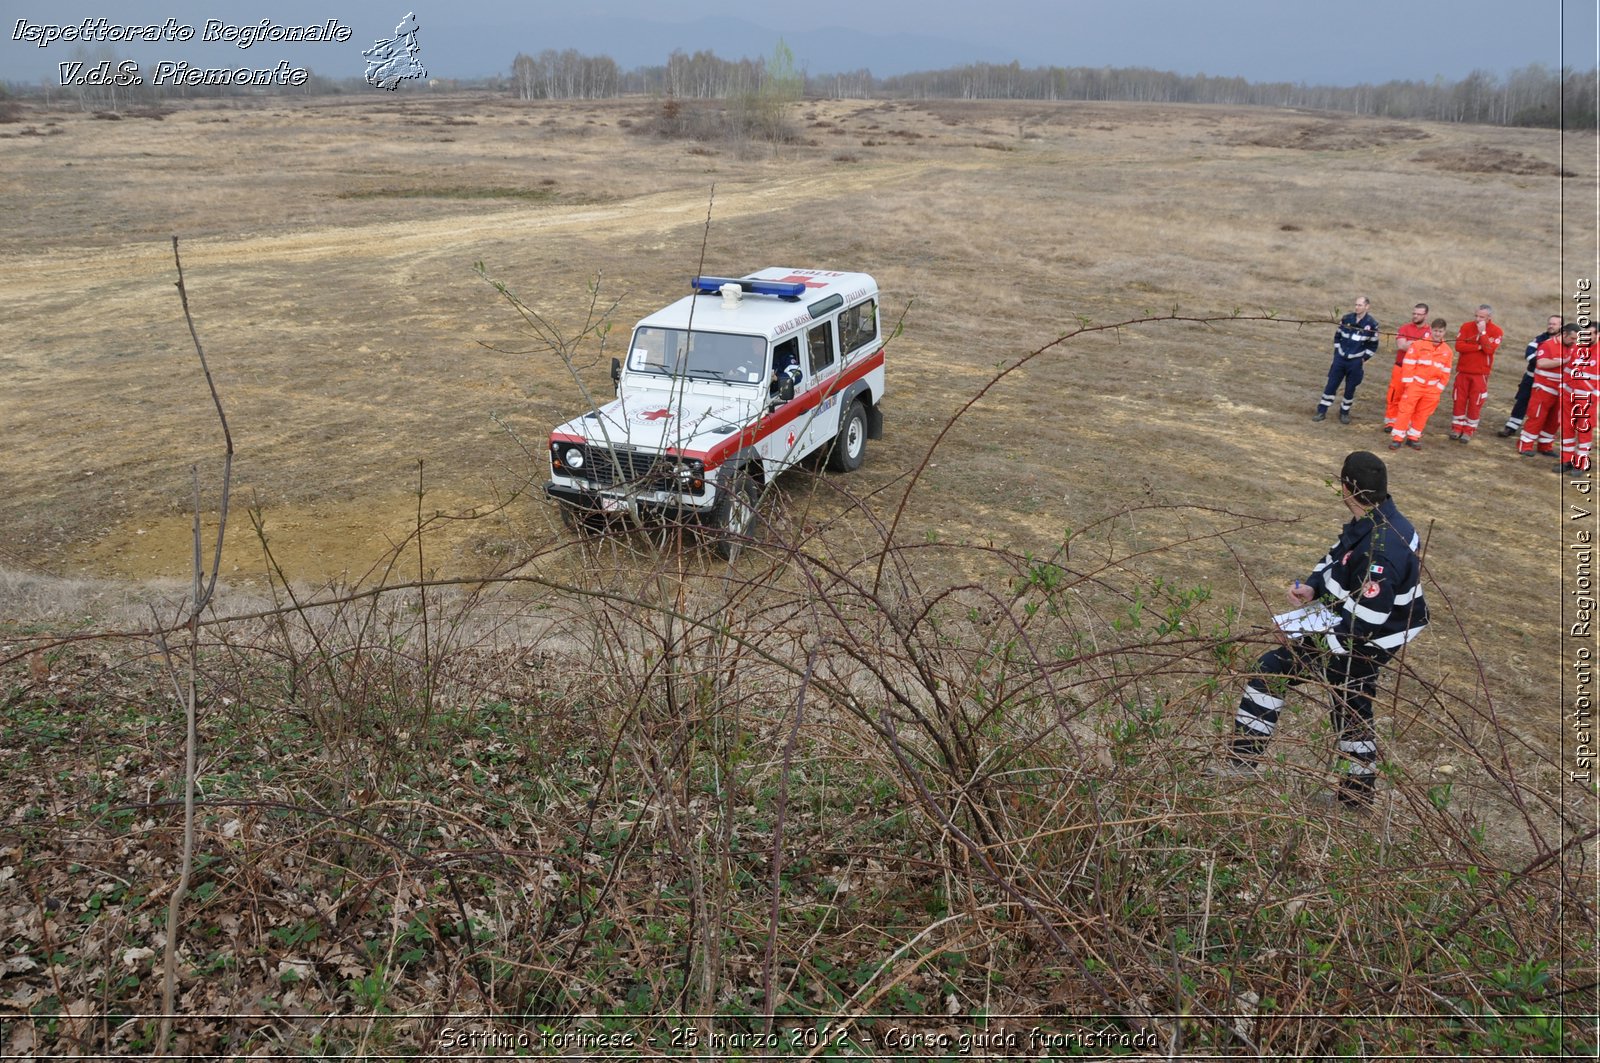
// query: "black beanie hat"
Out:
[1366,476]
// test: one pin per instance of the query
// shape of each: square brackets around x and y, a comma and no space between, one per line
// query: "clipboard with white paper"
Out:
[1313,619]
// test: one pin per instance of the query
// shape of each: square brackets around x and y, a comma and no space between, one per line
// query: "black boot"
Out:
[1357,792]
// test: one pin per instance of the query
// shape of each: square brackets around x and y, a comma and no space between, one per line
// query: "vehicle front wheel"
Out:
[850,445]
[736,515]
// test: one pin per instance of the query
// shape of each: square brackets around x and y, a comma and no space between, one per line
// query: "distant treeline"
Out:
[1535,95]
[1531,96]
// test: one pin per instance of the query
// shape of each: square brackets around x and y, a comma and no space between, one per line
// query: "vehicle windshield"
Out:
[699,355]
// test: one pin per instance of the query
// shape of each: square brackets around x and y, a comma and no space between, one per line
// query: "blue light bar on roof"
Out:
[790,290]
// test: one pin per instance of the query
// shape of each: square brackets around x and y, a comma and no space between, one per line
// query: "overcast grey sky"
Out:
[1261,40]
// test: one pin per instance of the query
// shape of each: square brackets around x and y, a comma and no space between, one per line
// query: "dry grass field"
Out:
[329,248]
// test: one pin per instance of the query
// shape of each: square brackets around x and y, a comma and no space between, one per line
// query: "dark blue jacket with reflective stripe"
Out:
[1372,580]
[1356,337]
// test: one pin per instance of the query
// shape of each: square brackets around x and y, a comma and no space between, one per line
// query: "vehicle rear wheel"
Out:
[736,515]
[850,445]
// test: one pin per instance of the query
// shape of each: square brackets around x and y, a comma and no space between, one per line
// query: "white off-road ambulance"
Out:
[722,391]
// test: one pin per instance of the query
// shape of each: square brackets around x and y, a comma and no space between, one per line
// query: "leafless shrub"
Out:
[1488,158]
[1339,134]
[743,120]
[851,776]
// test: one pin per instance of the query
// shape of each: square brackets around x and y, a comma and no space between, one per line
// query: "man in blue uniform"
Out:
[1370,582]
[1354,342]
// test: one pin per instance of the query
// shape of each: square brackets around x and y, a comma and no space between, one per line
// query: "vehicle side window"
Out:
[784,355]
[819,346]
[858,326]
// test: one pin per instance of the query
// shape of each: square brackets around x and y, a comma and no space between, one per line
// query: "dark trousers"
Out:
[1349,371]
[1352,679]
[1519,408]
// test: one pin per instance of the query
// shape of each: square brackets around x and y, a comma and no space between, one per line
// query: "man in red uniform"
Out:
[1415,329]
[1578,393]
[1544,408]
[1475,346]
[1519,405]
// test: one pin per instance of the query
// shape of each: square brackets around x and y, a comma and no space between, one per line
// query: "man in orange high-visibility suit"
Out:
[1544,407]
[1578,394]
[1427,371]
[1410,332]
[1475,346]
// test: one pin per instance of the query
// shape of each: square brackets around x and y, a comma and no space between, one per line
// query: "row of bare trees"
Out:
[566,75]
[1532,95]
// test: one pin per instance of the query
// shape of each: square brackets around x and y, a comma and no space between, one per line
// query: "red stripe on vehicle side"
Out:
[780,418]
[787,413]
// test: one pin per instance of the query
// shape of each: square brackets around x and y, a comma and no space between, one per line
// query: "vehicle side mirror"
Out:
[616,375]
[785,389]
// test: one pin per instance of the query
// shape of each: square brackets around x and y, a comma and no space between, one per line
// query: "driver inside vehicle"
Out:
[785,369]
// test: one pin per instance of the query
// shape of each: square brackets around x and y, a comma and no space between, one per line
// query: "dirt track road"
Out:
[68,274]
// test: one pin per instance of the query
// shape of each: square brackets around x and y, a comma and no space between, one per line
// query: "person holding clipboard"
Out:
[1361,603]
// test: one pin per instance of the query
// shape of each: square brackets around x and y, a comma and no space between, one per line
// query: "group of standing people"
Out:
[1363,601]
[1556,398]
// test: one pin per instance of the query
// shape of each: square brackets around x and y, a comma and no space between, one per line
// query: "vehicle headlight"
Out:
[572,457]
[692,476]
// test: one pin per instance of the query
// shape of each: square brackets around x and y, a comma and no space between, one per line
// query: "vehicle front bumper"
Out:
[657,504]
